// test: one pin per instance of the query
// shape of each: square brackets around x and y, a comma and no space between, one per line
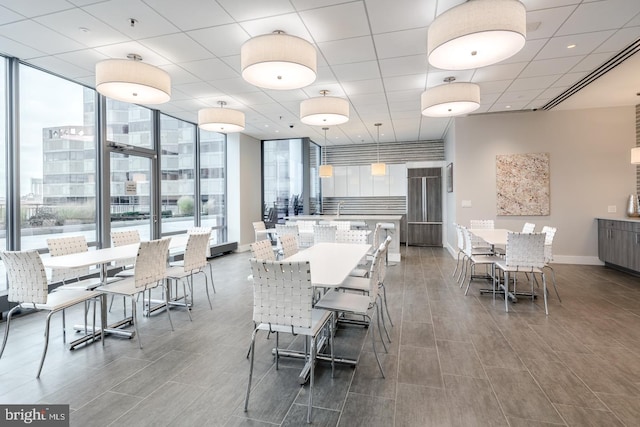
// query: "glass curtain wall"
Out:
[57,151]
[178,169]
[213,183]
[3,169]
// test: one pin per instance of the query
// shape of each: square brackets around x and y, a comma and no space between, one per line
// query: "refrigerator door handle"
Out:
[424,199]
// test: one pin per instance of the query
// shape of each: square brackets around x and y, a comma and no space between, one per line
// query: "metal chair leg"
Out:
[46,343]
[373,343]
[6,329]
[252,352]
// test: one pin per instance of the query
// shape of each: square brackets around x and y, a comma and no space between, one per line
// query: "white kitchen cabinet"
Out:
[327,187]
[397,179]
[366,181]
[340,181]
[381,184]
[353,181]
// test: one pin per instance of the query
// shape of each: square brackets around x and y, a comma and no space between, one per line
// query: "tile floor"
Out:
[453,361]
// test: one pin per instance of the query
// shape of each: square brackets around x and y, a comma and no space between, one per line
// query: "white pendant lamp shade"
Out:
[324,111]
[325,171]
[450,99]
[130,80]
[476,34]
[635,156]
[278,61]
[221,119]
[378,169]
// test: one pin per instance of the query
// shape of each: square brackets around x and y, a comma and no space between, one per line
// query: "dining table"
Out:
[103,258]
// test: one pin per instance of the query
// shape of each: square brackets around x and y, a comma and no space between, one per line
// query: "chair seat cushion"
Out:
[344,301]
[318,320]
[66,298]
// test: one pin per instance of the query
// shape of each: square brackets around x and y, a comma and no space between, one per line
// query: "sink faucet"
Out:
[340,203]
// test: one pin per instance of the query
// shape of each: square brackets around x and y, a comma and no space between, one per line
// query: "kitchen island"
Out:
[370,222]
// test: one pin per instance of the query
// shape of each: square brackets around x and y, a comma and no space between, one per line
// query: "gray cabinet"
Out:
[619,243]
[424,207]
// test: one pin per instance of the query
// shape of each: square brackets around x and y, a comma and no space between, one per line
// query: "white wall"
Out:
[589,170]
[244,191]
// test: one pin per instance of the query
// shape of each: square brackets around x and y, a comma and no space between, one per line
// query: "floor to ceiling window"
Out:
[57,149]
[3,168]
[213,183]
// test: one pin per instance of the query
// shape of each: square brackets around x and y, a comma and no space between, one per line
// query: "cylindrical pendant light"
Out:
[221,119]
[325,170]
[378,169]
[476,34]
[278,61]
[635,156]
[324,110]
[450,99]
[131,80]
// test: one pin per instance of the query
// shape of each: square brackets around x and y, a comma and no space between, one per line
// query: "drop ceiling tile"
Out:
[7,16]
[358,71]
[325,75]
[58,66]
[346,51]
[599,15]
[528,52]
[498,72]
[336,22]
[406,114]
[432,129]
[591,62]
[620,40]
[548,67]
[363,86]
[178,95]
[416,81]
[333,90]
[368,98]
[569,79]
[252,9]
[584,44]
[435,78]
[213,101]
[198,14]
[209,69]
[549,19]
[254,98]
[314,4]
[497,86]
[31,33]
[232,61]
[18,50]
[287,95]
[551,92]
[509,106]
[223,40]
[121,50]
[403,15]
[533,83]
[82,27]
[118,13]
[177,48]
[412,106]
[401,43]
[547,4]
[289,23]
[179,75]
[404,66]
[236,85]
[198,89]
[31,8]
[404,95]
[86,58]
[519,96]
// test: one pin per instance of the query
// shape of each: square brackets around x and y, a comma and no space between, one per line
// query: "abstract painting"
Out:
[522,184]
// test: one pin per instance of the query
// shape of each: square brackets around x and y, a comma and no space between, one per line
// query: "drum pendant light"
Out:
[221,119]
[450,99]
[378,169]
[635,156]
[131,80]
[278,61]
[325,171]
[476,34]
[324,110]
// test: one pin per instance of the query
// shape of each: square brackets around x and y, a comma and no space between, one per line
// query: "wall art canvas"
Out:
[522,184]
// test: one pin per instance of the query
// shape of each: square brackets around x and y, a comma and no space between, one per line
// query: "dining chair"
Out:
[479,245]
[291,229]
[346,303]
[341,225]
[289,245]
[121,238]
[352,236]
[305,233]
[207,250]
[524,254]
[528,227]
[195,259]
[70,277]
[324,233]
[282,303]
[259,230]
[460,256]
[474,259]
[549,234]
[28,288]
[262,249]
[150,272]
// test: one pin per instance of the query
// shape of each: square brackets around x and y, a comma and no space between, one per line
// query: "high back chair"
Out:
[324,233]
[549,234]
[259,230]
[195,259]
[28,288]
[66,246]
[289,245]
[121,238]
[478,245]
[262,249]
[282,302]
[292,229]
[341,225]
[461,256]
[352,236]
[524,254]
[207,250]
[150,272]
[305,233]
[528,227]
[474,259]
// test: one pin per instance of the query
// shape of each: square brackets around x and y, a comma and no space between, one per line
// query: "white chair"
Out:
[305,233]
[528,227]
[291,229]
[66,246]
[524,254]
[461,256]
[195,259]
[289,245]
[282,302]
[121,238]
[324,233]
[150,271]
[207,250]
[260,230]
[359,305]
[341,225]
[28,288]
[262,249]
[352,236]
[481,224]
[479,245]
[549,234]
[474,259]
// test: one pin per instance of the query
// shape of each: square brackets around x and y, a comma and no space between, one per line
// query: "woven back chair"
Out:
[125,237]
[549,234]
[262,249]
[292,229]
[528,227]
[341,225]
[65,246]
[289,245]
[352,236]
[151,263]
[324,233]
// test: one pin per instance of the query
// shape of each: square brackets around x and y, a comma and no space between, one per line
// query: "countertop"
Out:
[622,218]
[346,217]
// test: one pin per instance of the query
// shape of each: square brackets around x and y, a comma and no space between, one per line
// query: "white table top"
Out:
[331,263]
[493,236]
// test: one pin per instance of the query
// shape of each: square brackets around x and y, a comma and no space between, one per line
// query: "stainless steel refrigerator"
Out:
[424,207]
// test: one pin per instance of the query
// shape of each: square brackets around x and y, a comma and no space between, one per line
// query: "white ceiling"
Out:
[372,52]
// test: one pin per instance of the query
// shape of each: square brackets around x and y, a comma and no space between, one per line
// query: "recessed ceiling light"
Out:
[507,106]
[84,29]
[571,46]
